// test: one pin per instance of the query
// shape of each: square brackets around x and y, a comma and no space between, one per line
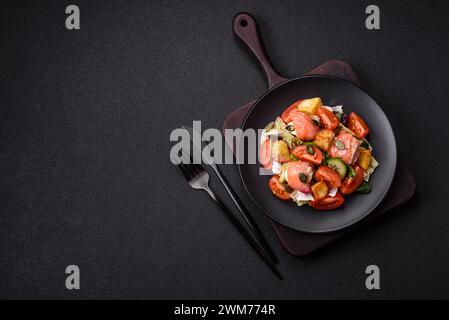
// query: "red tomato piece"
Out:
[302,153]
[278,189]
[328,118]
[357,125]
[329,175]
[350,185]
[286,114]
[328,203]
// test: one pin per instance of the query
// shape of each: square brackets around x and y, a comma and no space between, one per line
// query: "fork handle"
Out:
[245,233]
[246,216]
[213,196]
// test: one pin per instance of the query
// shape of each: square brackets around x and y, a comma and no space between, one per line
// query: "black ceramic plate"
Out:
[332,91]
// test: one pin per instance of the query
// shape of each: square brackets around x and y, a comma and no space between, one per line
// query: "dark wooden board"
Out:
[402,189]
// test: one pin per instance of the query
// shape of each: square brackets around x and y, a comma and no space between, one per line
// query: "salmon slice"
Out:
[295,170]
[304,126]
[345,147]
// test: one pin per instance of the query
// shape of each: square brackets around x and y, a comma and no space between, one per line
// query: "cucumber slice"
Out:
[338,166]
[351,172]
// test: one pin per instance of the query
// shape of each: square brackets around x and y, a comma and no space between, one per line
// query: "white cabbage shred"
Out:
[301,198]
[333,192]
[276,167]
[372,166]
[336,109]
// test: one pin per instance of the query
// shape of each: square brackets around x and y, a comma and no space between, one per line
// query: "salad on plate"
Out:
[318,154]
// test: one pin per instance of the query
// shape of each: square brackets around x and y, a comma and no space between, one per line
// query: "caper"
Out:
[303,177]
[364,144]
[290,128]
[316,122]
[310,150]
[339,145]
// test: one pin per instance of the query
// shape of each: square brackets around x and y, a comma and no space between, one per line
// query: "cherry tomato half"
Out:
[278,189]
[350,185]
[285,116]
[357,125]
[328,203]
[329,175]
[328,118]
[308,153]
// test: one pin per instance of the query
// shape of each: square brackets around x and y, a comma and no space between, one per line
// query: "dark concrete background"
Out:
[85,176]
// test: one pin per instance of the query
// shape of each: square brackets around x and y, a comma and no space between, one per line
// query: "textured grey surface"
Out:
[84,143]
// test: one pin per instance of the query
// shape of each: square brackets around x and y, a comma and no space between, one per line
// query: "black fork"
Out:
[198,178]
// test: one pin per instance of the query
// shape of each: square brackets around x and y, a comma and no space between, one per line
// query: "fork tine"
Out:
[191,170]
[183,169]
[198,168]
[188,159]
[188,168]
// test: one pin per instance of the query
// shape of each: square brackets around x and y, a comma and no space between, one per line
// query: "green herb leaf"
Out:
[365,187]
[364,144]
[339,145]
[297,142]
[316,122]
[325,157]
[351,172]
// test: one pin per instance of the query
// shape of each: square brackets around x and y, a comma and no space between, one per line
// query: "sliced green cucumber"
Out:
[351,172]
[338,166]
